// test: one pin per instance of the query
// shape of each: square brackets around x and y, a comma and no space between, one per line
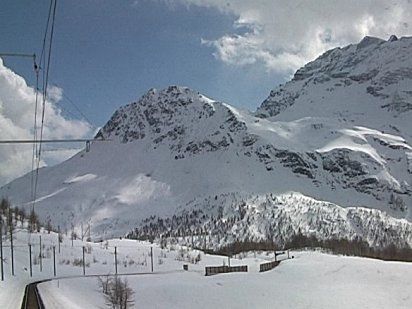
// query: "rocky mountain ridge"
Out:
[323,136]
[375,75]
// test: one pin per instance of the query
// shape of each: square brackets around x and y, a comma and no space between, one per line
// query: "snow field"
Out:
[310,280]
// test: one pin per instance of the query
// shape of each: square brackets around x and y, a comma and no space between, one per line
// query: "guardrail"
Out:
[268,266]
[214,270]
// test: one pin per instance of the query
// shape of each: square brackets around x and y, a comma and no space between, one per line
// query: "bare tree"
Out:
[104,283]
[33,221]
[117,292]
[10,222]
[49,226]
[4,206]
[22,216]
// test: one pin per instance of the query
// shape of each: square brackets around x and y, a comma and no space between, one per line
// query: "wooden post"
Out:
[12,250]
[1,249]
[54,260]
[72,234]
[59,237]
[151,256]
[115,259]
[40,257]
[30,263]
[84,263]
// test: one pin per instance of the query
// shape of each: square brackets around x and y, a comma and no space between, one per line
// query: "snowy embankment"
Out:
[310,280]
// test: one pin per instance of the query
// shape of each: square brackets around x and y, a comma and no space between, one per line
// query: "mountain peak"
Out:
[153,109]
[381,70]
[172,114]
[393,38]
[340,132]
[171,91]
[368,41]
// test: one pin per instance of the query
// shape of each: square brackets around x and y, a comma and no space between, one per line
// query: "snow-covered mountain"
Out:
[322,149]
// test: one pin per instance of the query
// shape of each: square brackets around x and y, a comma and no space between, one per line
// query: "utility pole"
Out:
[54,260]
[40,257]
[1,248]
[31,269]
[84,264]
[72,234]
[115,259]
[228,257]
[151,256]
[12,250]
[59,236]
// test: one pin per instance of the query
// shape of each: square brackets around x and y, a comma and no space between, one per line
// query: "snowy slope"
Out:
[224,219]
[365,89]
[312,279]
[323,135]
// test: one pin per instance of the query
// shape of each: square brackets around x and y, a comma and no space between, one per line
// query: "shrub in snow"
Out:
[116,291]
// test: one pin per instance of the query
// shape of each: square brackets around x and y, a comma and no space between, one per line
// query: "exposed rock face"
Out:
[175,116]
[339,131]
[377,68]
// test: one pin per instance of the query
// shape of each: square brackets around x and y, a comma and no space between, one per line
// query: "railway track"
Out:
[32,299]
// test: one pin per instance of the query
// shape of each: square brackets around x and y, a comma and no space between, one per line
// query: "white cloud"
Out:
[284,35]
[17,105]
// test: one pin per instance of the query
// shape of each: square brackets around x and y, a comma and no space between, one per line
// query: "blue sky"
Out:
[107,53]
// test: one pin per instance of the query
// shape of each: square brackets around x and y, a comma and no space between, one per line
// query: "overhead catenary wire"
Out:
[45,69]
[34,150]
[76,107]
[28,141]
[17,55]
[45,83]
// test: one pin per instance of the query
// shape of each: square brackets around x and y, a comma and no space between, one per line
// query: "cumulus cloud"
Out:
[284,35]
[17,105]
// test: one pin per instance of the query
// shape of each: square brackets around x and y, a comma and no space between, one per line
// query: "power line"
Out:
[27,141]
[61,149]
[17,55]
[52,16]
[75,106]
[45,84]
[21,55]
[37,70]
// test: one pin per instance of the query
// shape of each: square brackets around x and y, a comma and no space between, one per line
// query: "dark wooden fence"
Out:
[214,270]
[268,266]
